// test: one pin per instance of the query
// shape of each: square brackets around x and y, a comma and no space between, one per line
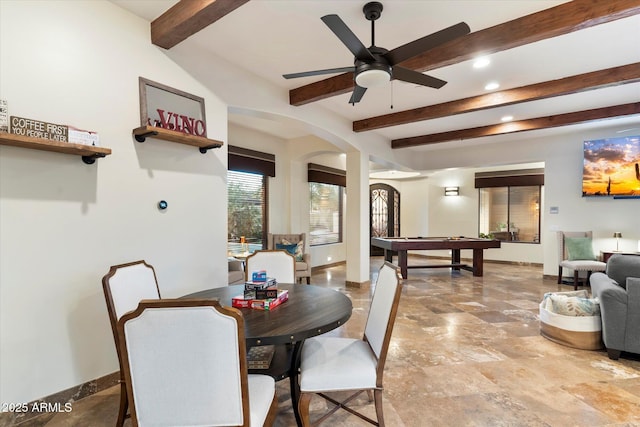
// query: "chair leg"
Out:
[124,405]
[303,408]
[588,279]
[377,396]
[559,275]
[575,280]
[308,280]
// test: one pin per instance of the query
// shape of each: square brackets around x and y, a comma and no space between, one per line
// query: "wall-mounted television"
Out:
[611,167]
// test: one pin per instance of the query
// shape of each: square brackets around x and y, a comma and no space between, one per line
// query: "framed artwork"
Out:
[169,108]
[612,167]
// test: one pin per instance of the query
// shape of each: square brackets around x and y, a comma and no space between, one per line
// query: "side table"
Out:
[605,255]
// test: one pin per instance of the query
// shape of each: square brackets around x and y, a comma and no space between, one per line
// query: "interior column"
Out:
[357,219]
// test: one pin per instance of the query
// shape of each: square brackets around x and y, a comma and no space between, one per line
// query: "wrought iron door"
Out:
[384,208]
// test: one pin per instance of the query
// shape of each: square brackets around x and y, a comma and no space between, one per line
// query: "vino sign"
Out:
[169,108]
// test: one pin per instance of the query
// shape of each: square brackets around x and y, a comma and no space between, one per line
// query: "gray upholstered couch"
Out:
[619,293]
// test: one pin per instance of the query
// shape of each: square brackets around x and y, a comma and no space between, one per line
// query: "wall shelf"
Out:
[203,144]
[88,153]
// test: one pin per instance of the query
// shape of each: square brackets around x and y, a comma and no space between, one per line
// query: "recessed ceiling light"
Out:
[506,118]
[481,62]
[492,86]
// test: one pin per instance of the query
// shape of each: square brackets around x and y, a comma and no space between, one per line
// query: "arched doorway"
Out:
[384,208]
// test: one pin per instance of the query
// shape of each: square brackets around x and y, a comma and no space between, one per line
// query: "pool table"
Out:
[454,244]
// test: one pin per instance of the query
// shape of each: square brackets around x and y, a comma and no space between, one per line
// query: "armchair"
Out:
[236,271]
[303,259]
[619,293]
[576,253]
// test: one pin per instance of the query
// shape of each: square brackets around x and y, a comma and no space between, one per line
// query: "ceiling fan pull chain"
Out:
[391,107]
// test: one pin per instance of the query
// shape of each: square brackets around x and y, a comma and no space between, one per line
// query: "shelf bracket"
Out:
[204,150]
[143,136]
[92,158]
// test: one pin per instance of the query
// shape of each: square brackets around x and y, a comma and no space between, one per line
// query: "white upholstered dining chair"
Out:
[278,264]
[124,286]
[295,242]
[185,365]
[334,364]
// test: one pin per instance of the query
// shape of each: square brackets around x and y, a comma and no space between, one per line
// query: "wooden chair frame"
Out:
[113,320]
[256,253]
[305,397]
[227,311]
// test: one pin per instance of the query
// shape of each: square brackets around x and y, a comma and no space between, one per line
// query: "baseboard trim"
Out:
[318,268]
[61,401]
[359,285]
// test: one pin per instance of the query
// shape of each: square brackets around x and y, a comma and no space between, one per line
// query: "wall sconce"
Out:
[451,191]
[617,235]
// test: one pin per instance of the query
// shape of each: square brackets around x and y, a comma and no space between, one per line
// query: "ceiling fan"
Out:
[376,65]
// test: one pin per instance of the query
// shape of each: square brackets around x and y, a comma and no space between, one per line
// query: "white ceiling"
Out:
[275,37]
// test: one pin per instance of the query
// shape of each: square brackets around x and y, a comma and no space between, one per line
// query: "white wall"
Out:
[425,211]
[563,160]
[62,222]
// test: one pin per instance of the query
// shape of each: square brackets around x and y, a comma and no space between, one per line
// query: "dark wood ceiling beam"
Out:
[520,126]
[563,19]
[187,17]
[569,85]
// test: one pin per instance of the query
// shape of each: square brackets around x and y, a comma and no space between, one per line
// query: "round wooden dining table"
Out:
[310,311]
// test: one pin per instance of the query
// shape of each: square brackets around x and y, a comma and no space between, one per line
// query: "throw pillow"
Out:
[574,306]
[579,248]
[548,305]
[299,249]
[291,248]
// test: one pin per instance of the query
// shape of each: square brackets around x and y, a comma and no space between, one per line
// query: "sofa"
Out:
[236,271]
[618,290]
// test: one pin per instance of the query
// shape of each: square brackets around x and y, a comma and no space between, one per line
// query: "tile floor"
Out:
[466,351]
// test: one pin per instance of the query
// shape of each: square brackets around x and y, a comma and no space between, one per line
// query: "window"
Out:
[248,201]
[326,191]
[247,207]
[511,213]
[325,218]
[509,206]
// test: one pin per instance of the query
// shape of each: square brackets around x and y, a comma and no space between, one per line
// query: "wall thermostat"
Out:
[162,205]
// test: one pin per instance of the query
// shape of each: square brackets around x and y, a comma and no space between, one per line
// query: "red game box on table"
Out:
[260,304]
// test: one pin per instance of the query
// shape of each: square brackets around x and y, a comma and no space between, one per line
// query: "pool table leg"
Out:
[455,258]
[477,262]
[402,262]
[388,255]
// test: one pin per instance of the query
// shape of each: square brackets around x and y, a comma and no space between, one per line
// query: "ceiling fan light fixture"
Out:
[371,75]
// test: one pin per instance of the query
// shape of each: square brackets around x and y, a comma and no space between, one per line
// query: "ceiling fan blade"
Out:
[407,75]
[423,44]
[356,95]
[347,37]
[319,72]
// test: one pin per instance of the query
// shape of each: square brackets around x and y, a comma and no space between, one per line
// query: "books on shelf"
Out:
[260,356]
[260,304]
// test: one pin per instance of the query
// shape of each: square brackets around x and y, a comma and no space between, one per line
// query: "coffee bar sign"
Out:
[169,108]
